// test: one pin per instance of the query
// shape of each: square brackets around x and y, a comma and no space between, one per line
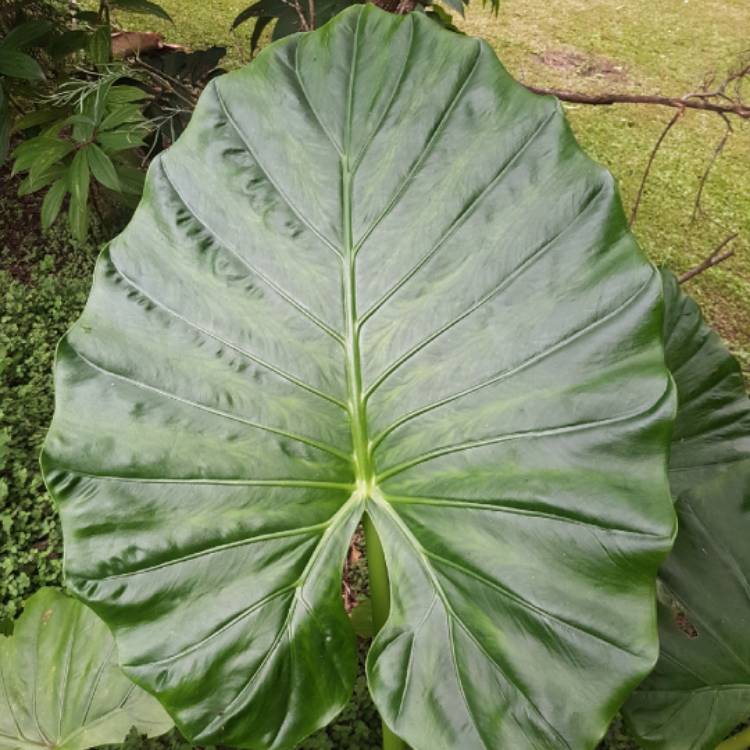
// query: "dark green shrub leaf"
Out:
[78,185]
[700,689]
[61,686]
[120,140]
[125,95]
[36,181]
[41,116]
[19,65]
[374,275]
[53,202]
[260,26]
[24,35]
[100,45]
[40,153]
[102,167]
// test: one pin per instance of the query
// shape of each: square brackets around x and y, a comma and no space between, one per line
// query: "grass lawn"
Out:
[610,45]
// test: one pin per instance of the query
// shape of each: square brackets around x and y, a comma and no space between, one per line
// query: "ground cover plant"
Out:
[683,636]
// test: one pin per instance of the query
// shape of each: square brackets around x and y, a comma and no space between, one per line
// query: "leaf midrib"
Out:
[363,467]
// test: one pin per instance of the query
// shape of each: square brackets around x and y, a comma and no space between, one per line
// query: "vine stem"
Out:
[739,741]
[381,603]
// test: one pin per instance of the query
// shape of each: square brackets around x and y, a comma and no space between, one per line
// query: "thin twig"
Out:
[718,255]
[673,121]
[691,101]
[698,208]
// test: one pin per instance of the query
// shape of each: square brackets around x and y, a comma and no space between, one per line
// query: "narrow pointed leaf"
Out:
[20,65]
[700,689]
[52,203]
[102,168]
[60,686]
[374,275]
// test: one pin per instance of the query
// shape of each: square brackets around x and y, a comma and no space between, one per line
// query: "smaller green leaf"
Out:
[102,167]
[78,217]
[34,182]
[78,184]
[53,202]
[142,6]
[38,117]
[120,140]
[78,176]
[125,95]
[25,34]
[100,45]
[20,65]
[121,115]
[39,153]
[61,685]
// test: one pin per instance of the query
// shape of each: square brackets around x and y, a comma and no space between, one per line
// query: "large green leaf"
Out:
[60,686]
[374,275]
[700,688]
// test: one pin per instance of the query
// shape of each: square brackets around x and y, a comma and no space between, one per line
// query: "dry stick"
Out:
[698,208]
[303,25]
[311,13]
[691,101]
[647,171]
[716,257]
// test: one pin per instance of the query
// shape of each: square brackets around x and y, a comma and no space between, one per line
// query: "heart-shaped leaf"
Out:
[60,686]
[700,689]
[375,275]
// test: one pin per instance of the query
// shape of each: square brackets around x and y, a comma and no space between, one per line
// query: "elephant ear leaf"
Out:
[700,689]
[60,686]
[374,275]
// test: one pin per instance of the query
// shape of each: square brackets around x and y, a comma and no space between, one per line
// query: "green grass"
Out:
[665,47]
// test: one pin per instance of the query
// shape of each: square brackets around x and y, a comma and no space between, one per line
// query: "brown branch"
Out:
[311,13]
[718,255]
[634,213]
[691,101]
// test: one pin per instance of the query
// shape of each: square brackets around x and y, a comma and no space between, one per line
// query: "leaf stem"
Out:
[739,741]
[381,603]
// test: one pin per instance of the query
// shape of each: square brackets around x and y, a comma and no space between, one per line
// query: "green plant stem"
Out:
[381,604]
[740,741]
